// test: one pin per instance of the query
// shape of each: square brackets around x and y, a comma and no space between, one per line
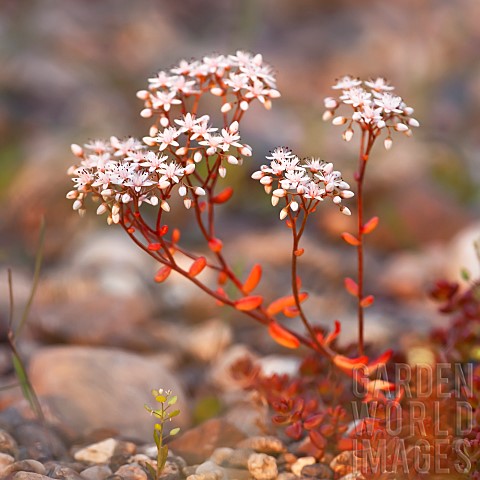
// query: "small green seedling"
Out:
[166,401]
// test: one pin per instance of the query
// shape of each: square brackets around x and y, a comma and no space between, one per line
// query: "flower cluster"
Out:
[130,172]
[301,183]
[375,108]
[126,171]
[236,79]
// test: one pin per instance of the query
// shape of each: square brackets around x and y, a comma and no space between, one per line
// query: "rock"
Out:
[29,465]
[317,470]
[197,444]
[263,444]
[63,472]
[248,415]
[297,467]
[100,452]
[96,472]
[203,476]
[27,476]
[85,388]
[229,457]
[262,466]
[8,444]
[99,319]
[171,471]
[122,454]
[5,461]
[210,467]
[343,463]
[132,472]
[40,442]
[207,340]
[286,476]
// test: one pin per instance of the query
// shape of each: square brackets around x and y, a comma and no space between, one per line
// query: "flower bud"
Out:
[327,115]
[348,134]
[200,191]
[413,122]
[339,121]
[102,209]
[187,203]
[232,160]
[165,206]
[279,192]
[77,150]
[197,156]
[143,94]
[244,105]
[401,127]
[257,175]
[226,107]
[77,204]
[275,200]
[72,194]
[181,151]
[267,180]
[146,113]
[164,122]
[182,191]
[345,210]
[388,142]
[283,213]
[153,132]
[149,141]
[294,206]
[217,91]
[189,169]
[222,171]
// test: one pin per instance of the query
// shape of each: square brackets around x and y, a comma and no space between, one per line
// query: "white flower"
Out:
[390,103]
[167,137]
[356,97]
[164,100]
[170,172]
[380,84]
[138,180]
[162,79]
[347,82]
[280,154]
[153,161]
[187,123]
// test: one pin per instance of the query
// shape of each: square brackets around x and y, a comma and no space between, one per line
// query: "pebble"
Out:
[229,457]
[262,466]
[317,470]
[342,464]
[8,444]
[237,474]
[96,472]
[286,476]
[211,467]
[100,452]
[25,466]
[132,472]
[64,473]
[297,467]
[203,476]
[40,442]
[263,444]
[5,461]
[197,444]
[28,476]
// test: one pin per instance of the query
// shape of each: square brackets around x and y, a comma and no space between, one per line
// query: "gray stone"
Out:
[317,470]
[211,467]
[63,472]
[40,442]
[132,472]
[96,472]
[262,466]
[92,388]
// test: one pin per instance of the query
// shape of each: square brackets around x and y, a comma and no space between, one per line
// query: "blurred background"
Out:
[69,73]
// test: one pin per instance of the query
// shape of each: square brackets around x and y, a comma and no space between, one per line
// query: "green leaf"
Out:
[174,414]
[151,471]
[465,274]
[174,431]
[162,458]
[173,400]
[154,393]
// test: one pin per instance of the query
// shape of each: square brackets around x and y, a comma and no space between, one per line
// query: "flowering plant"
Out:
[188,153]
